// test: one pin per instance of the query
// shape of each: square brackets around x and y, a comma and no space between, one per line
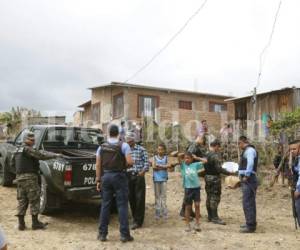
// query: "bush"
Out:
[288,125]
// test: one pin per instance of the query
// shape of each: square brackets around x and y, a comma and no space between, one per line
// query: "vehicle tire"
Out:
[48,201]
[6,177]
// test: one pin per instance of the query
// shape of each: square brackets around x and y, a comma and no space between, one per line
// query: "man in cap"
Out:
[247,172]
[136,181]
[26,162]
[112,159]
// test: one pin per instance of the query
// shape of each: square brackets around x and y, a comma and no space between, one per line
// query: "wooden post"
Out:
[254,113]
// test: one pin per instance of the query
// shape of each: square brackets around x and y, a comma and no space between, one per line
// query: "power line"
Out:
[262,57]
[168,43]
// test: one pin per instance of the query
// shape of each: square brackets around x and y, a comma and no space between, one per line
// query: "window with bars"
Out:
[185,105]
[118,105]
[147,105]
[217,107]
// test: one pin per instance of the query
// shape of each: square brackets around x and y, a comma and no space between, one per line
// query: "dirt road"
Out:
[76,226]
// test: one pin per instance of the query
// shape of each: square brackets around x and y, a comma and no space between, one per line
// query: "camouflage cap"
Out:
[28,135]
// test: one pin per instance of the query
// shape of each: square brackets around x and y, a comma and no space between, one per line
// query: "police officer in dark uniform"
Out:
[295,151]
[247,172]
[113,157]
[213,182]
[26,162]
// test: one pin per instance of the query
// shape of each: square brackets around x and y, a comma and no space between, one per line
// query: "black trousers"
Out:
[297,204]
[137,197]
[114,183]
[249,188]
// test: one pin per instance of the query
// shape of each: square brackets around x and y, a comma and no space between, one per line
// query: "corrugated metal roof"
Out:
[263,93]
[120,84]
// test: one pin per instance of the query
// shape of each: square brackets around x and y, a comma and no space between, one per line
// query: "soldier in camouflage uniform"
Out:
[198,147]
[213,182]
[26,162]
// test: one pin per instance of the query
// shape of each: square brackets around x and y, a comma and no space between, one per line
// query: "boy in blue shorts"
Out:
[191,184]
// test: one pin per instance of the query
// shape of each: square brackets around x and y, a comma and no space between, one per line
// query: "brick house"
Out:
[117,101]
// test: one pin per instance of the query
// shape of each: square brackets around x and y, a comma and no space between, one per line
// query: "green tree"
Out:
[13,119]
[288,124]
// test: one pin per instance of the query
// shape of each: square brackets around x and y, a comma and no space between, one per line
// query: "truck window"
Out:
[37,135]
[71,138]
[55,137]
[86,136]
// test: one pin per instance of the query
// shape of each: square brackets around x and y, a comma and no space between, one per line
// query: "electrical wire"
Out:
[262,57]
[168,43]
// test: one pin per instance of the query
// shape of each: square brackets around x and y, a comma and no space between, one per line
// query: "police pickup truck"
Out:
[69,177]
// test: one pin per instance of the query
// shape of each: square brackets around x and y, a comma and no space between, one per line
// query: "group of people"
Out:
[121,166]
[120,173]
[211,163]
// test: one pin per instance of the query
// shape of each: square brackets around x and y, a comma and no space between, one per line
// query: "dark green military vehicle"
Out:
[70,177]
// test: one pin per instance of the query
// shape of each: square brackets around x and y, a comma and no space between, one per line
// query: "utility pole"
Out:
[261,64]
[254,101]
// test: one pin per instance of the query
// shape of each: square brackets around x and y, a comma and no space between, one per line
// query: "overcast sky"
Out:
[52,51]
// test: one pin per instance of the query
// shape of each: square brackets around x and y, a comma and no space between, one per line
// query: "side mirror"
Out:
[10,141]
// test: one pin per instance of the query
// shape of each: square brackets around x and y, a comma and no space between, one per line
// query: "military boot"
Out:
[182,211]
[215,218]
[36,224]
[21,225]
[209,215]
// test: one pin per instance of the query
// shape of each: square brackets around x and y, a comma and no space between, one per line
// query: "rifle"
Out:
[293,194]
[294,208]
[281,164]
